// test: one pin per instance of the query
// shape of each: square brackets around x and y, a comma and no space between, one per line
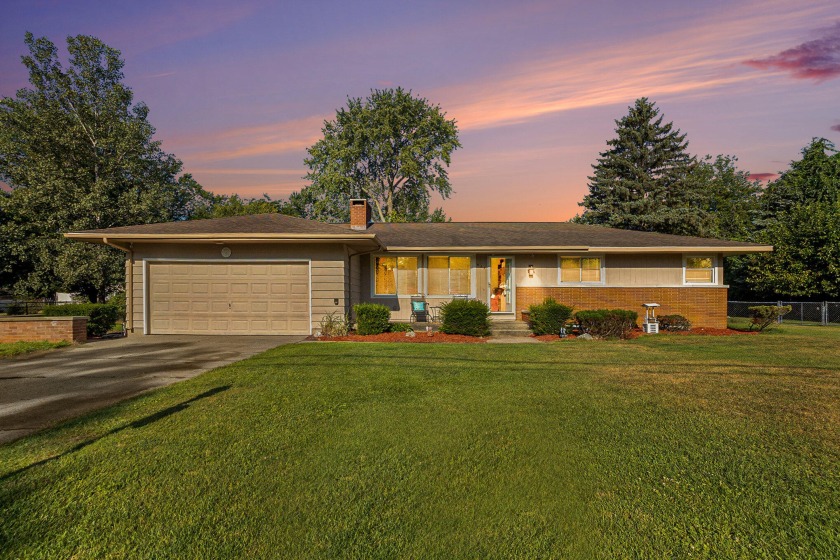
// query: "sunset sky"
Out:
[238,91]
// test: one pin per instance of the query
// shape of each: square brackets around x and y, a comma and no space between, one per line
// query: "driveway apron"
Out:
[39,391]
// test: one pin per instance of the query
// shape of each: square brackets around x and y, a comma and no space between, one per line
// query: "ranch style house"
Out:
[276,274]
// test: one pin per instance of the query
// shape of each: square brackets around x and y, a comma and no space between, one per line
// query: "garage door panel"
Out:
[232,298]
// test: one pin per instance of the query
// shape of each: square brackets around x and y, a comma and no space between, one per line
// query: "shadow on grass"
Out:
[145,421]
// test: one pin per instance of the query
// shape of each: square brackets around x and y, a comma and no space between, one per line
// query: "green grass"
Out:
[9,349]
[660,447]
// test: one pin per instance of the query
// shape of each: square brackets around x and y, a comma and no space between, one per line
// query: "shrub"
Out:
[469,317]
[335,324]
[762,316]
[674,323]
[548,317]
[101,316]
[15,308]
[118,301]
[607,323]
[401,327]
[372,318]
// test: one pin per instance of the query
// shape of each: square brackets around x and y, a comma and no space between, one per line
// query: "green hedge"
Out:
[607,323]
[101,316]
[400,327]
[548,317]
[469,317]
[674,323]
[372,318]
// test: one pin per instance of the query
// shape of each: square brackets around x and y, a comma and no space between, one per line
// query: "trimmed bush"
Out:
[372,318]
[401,327]
[762,316]
[101,316]
[674,323]
[607,323]
[469,317]
[548,317]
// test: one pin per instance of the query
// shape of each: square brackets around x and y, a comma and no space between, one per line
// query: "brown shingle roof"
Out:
[532,234]
[255,223]
[408,236]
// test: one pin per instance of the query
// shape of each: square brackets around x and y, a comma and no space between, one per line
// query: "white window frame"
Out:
[448,255]
[714,280]
[600,256]
[373,293]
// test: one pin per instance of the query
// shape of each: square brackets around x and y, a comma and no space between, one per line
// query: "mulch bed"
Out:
[400,337]
[423,337]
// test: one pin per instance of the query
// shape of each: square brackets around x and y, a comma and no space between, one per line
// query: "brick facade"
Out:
[51,329]
[704,307]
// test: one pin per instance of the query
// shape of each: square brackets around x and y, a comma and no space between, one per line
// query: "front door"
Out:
[501,285]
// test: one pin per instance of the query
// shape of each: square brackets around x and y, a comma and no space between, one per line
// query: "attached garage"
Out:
[248,298]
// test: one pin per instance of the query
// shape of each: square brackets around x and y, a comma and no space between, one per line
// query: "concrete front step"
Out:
[509,329]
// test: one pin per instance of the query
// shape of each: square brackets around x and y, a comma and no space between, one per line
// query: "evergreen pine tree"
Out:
[646,180]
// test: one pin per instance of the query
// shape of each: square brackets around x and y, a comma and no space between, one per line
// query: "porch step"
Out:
[509,329]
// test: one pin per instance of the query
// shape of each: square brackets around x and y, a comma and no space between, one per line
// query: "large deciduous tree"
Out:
[79,154]
[802,221]
[392,148]
[646,180]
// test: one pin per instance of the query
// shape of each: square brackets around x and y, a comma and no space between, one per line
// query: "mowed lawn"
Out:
[662,447]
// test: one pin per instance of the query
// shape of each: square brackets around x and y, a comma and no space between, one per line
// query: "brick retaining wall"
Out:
[52,329]
[704,307]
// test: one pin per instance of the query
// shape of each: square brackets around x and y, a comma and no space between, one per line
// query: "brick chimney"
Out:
[359,213]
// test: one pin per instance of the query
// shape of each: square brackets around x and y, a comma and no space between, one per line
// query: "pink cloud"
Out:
[817,60]
[835,128]
[697,60]
[763,177]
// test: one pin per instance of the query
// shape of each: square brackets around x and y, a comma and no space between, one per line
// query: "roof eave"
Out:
[740,249]
[223,237]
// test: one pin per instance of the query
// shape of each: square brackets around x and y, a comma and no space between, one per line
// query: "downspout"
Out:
[129,289]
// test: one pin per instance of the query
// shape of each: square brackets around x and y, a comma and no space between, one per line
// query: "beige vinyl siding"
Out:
[545,270]
[644,270]
[328,263]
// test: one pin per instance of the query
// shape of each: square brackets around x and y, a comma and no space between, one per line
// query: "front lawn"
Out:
[9,349]
[660,447]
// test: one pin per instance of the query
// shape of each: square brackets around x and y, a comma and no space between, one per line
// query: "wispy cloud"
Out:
[835,127]
[160,75]
[697,60]
[818,59]
[250,141]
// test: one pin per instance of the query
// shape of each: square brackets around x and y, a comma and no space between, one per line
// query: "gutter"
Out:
[585,249]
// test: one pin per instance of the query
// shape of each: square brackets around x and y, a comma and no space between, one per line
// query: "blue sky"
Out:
[238,91]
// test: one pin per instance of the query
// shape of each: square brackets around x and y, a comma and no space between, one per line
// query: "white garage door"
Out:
[229,298]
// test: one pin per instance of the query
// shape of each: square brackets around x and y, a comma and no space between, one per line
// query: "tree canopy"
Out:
[78,154]
[392,148]
[646,180]
[801,219]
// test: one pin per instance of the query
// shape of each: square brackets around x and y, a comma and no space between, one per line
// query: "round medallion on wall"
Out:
[225,252]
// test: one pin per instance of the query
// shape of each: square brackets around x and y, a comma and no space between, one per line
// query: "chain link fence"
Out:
[802,312]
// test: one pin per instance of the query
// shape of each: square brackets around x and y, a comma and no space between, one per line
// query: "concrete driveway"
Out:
[42,390]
